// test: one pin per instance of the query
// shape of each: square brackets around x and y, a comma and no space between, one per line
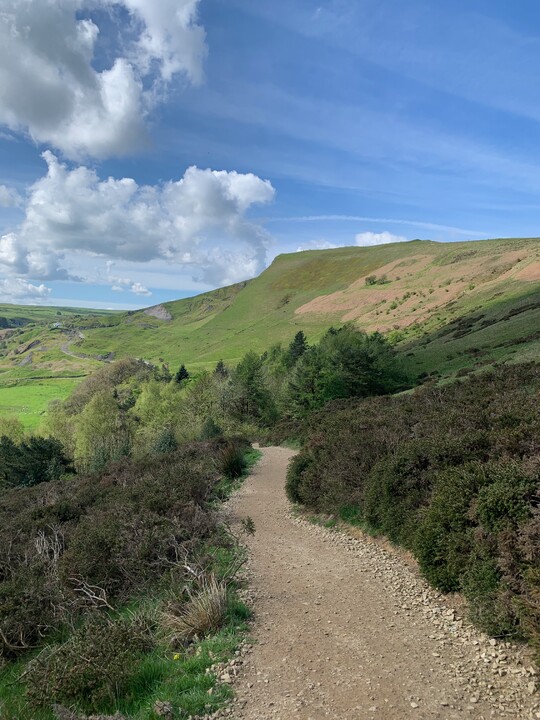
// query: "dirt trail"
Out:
[347,630]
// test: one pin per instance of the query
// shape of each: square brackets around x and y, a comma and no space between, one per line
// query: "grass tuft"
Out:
[203,613]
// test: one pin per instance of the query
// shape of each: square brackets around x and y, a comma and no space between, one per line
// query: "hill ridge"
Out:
[410,291]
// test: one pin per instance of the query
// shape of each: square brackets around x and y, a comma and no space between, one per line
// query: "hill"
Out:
[448,306]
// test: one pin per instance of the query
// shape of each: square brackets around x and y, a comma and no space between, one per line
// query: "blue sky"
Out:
[305,124]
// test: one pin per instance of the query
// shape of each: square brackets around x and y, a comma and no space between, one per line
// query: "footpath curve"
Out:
[347,630]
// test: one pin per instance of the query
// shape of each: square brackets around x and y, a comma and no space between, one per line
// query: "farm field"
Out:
[28,399]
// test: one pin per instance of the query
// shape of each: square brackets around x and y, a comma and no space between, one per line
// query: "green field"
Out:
[446,306]
[28,400]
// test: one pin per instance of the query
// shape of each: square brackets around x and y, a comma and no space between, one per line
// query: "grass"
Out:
[203,612]
[429,285]
[176,676]
[504,331]
[29,399]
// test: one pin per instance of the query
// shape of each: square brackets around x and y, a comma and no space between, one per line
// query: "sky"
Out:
[156,149]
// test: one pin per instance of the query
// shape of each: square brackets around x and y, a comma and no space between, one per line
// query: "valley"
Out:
[446,307]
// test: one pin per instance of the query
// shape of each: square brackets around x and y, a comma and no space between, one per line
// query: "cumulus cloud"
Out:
[199,221]
[19,289]
[170,37]
[50,88]
[9,197]
[382,238]
[139,289]
[316,245]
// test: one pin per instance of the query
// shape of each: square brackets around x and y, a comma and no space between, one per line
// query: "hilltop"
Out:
[447,306]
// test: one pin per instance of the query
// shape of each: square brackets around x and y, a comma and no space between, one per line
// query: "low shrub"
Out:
[232,462]
[31,462]
[210,430]
[297,466]
[69,547]
[93,667]
[452,473]
[165,442]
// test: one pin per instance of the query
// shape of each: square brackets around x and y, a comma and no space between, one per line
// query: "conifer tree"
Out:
[182,374]
[221,369]
[297,348]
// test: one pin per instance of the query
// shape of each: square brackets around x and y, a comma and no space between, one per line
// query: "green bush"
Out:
[93,668]
[232,462]
[165,442]
[31,462]
[451,473]
[297,466]
[506,501]
[400,485]
[119,533]
[483,585]
[210,430]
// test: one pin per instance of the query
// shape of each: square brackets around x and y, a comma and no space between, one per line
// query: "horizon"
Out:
[150,153]
[88,306]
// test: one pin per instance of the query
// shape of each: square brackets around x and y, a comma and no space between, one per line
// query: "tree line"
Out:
[131,408]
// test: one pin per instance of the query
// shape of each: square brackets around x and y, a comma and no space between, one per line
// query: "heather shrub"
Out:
[69,547]
[93,667]
[451,473]
[32,603]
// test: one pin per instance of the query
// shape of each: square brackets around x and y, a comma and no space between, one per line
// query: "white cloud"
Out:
[18,289]
[50,88]
[382,238]
[9,197]
[139,289]
[198,222]
[170,37]
[316,245]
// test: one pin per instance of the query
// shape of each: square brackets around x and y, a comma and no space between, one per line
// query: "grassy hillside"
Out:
[418,287]
[448,306]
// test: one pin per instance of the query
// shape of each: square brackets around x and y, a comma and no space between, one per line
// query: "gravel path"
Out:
[346,629]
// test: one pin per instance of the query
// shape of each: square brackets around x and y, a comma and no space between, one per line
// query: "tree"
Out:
[103,433]
[304,388]
[249,398]
[31,462]
[346,363]
[297,348]
[182,375]
[221,369]
[12,428]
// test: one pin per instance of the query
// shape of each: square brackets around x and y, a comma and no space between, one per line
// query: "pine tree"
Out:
[297,348]
[182,374]
[221,369]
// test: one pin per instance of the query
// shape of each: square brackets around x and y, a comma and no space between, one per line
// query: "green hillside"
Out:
[447,306]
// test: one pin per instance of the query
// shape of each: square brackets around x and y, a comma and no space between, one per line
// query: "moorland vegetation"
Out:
[452,473]
[108,519]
